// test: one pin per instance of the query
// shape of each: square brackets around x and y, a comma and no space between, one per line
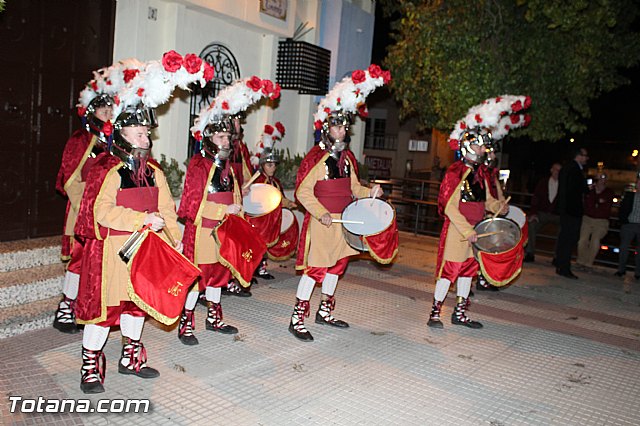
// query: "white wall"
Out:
[187,26]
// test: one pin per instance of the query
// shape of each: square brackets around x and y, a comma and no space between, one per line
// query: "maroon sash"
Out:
[143,199]
[473,211]
[225,198]
[334,194]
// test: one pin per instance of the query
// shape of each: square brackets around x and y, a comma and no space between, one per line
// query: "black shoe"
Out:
[91,387]
[637,277]
[529,258]
[265,276]
[566,274]
[435,323]
[188,340]
[620,274]
[489,287]
[145,372]
[236,290]
[305,336]
[468,323]
[66,327]
[225,329]
[331,321]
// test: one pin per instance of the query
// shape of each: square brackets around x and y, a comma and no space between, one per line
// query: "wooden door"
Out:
[47,53]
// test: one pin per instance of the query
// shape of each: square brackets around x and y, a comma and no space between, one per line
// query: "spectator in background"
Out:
[629,215]
[542,212]
[572,187]
[595,222]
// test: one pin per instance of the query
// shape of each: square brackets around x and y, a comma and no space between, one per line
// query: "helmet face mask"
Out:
[214,143]
[479,139]
[330,139]
[99,111]
[130,152]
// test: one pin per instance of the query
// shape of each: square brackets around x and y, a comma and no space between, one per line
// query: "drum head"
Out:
[507,235]
[287,220]
[517,215]
[261,199]
[376,214]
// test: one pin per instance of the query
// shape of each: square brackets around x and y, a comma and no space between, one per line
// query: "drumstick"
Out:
[373,199]
[167,232]
[169,236]
[504,203]
[486,234]
[253,178]
[355,222]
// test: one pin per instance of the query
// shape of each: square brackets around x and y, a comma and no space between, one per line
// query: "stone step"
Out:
[25,254]
[24,286]
[19,319]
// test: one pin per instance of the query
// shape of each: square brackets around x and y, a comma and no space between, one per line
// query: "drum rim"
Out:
[490,219]
[393,218]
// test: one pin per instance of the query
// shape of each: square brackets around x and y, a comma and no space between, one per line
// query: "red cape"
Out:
[89,301]
[245,160]
[450,184]
[192,196]
[309,161]
[75,147]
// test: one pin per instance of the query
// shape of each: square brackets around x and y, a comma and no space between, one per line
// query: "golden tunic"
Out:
[114,271]
[327,245]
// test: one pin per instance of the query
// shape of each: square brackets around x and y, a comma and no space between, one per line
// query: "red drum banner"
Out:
[241,247]
[160,278]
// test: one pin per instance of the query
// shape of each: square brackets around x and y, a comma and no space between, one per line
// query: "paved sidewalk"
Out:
[553,351]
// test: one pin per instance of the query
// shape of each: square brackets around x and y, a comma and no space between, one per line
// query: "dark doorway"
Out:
[48,51]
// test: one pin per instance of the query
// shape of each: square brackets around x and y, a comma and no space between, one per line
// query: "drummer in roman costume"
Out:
[327,182]
[266,159]
[211,192]
[125,192]
[465,195]
[82,150]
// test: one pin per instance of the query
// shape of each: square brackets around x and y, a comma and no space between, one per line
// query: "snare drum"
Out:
[500,255]
[507,235]
[261,199]
[287,242]
[378,234]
